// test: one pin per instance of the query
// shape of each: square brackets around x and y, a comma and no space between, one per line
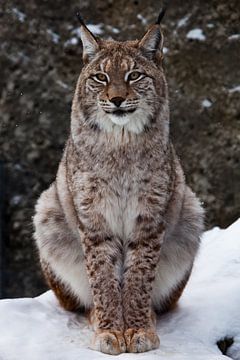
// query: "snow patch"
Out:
[234,89]
[76,34]
[113,29]
[95,29]
[210,25]
[165,50]
[142,19]
[72,41]
[182,22]
[208,311]
[19,14]
[196,34]
[234,37]
[54,36]
[206,103]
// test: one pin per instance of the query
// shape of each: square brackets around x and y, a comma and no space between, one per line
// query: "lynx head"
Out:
[122,84]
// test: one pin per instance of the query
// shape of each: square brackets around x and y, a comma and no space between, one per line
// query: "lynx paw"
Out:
[141,340]
[109,342]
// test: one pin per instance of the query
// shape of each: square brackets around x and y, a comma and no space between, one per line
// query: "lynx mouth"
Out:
[120,112]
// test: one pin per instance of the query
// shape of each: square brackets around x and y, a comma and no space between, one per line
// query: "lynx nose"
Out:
[117,100]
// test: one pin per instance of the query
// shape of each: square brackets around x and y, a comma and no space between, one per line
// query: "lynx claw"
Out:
[109,342]
[141,340]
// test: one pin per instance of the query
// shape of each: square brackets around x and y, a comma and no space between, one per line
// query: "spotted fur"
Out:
[118,230]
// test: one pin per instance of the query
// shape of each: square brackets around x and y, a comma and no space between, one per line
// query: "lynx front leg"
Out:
[101,258]
[143,256]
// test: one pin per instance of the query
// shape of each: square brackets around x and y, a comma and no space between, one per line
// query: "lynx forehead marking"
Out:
[124,65]
[102,66]
[108,65]
[117,66]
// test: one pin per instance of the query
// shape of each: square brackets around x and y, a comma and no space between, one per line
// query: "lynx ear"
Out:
[90,43]
[152,42]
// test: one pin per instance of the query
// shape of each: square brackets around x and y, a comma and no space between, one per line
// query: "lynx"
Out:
[118,230]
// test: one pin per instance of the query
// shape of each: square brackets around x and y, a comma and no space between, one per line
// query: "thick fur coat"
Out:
[119,229]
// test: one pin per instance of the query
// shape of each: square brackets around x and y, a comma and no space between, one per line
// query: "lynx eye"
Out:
[100,77]
[135,75]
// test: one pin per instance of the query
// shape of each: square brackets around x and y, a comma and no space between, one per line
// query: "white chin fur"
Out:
[119,120]
[133,122]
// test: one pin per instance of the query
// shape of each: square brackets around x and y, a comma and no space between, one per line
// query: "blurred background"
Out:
[40,59]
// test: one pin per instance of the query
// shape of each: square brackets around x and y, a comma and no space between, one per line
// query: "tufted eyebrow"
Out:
[104,64]
[101,67]
[133,64]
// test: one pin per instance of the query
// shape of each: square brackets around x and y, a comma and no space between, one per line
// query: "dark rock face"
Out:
[40,60]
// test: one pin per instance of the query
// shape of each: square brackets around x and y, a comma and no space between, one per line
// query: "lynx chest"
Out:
[113,199]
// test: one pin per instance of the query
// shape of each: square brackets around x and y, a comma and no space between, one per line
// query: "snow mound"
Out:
[196,34]
[235,89]
[206,103]
[36,329]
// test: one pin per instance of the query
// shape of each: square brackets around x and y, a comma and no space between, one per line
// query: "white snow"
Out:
[234,89]
[206,103]
[196,34]
[234,37]
[54,36]
[182,22]
[210,25]
[142,19]
[72,41]
[20,16]
[95,29]
[165,50]
[113,29]
[76,34]
[37,329]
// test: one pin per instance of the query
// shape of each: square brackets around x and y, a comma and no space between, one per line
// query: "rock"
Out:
[36,63]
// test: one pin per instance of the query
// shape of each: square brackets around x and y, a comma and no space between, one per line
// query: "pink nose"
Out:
[117,100]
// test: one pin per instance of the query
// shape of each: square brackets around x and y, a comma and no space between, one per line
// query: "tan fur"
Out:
[65,298]
[119,229]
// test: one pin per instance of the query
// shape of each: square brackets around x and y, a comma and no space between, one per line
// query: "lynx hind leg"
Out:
[170,302]
[60,253]
[177,256]
[65,296]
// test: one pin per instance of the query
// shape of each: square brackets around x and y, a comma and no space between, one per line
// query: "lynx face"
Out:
[122,84]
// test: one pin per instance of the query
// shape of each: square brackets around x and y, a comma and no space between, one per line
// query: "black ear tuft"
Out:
[82,22]
[162,12]
[89,41]
[152,43]
[80,19]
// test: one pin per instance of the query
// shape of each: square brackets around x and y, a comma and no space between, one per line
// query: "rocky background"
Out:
[40,59]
